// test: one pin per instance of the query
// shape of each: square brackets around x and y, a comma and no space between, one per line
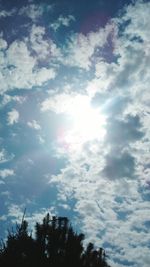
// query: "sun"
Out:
[87,123]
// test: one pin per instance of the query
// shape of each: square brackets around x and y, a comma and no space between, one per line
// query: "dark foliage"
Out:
[55,244]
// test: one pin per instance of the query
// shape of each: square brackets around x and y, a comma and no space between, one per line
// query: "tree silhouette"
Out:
[54,244]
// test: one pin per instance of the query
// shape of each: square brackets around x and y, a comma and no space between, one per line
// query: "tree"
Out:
[54,244]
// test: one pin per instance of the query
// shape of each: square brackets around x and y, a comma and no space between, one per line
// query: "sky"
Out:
[74,119]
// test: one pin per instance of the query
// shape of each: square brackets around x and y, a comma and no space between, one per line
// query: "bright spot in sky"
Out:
[88,123]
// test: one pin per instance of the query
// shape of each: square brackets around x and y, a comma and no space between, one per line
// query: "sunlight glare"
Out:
[87,122]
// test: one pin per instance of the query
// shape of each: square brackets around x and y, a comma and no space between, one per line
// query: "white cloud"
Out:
[3,44]
[13,117]
[136,27]
[38,44]
[58,103]
[6,172]
[5,13]
[3,218]
[15,213]
[110,180]
[82,49]
[113,211]
[44,47]
[4,156]
[34,124]
[62,21]
[7,99]
[43,75]
[20,70]
[98,210]
[33,11]
[41,139]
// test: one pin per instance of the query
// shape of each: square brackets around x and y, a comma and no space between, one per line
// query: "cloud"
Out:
[59,102]
[62,21]
[119,166]
[41,45]
[5,156]
[34,11]
[6,13]
[7,99]
[41,139]
[13,117]
[3,44]
[125,131]
[22,60]
[20,70]
[110,181]
[34,124]
[6,172]
[15,214]
[134,28]
[82,49]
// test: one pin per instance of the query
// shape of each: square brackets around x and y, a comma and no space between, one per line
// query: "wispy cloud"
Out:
[41,139]
[5,156]
[7,99]
[31,11]
[34,124]
[34,11]
[62,21]
[4,13]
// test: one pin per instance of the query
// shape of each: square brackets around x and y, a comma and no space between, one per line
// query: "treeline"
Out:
[54,244]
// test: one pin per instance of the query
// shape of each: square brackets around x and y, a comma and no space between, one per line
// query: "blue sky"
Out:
[74,119]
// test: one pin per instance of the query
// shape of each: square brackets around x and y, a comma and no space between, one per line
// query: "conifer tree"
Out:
[54,244]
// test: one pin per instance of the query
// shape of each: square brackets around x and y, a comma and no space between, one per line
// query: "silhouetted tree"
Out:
[54,244]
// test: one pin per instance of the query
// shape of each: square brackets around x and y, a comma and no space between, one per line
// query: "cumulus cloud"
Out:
[43,47]
[83,49]
[3,44]
[12,117]
[20,70]
[109,182]
[136,28]
[6,172]
[21,61]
